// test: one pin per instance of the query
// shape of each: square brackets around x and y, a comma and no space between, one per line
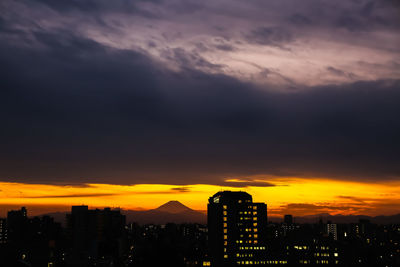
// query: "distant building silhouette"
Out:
[94,234]
[287,225]
[288,219]
[17,224]
[3,231]
[237,229]
[331,230]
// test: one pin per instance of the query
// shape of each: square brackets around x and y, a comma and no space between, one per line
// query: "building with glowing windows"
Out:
[3,231]
[237,229]
[331,230]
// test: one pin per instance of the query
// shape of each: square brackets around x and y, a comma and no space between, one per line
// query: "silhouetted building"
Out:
[3,231]
[237,229]
[95,234]
[17,225]
[288,219]
[331,230]
[287,225]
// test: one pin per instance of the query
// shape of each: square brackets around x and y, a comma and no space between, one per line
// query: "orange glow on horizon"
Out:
[295,196]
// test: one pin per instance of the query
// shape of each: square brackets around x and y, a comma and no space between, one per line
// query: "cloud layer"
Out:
[186,92]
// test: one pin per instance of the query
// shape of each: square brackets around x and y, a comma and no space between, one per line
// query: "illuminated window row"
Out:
[322,254]
[247,241]
[246,212]
[238,255]
[251,248]
[251,262]
[301,247]
[276,262]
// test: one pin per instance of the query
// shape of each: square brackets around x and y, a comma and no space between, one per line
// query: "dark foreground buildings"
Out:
[240,235]
[96,234]
[237,235]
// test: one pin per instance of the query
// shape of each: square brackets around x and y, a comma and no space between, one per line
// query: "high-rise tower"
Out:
[237,229]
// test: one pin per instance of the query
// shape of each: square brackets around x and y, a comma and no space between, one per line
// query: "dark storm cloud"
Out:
[341,73]
[75,195]
[355,199]
[225,47]
[306,208]
[369,15]
[273,36]
[247,183]
[300,20]
[100,6]
[189,59]
[182,189]
[75,110]
[78,111]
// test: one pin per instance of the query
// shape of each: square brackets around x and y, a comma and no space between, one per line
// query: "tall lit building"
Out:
[331,230]
[237,229]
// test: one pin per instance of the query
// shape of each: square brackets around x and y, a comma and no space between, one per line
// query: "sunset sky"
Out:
[131,104]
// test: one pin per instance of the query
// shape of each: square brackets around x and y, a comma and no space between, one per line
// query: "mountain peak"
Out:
[173,206]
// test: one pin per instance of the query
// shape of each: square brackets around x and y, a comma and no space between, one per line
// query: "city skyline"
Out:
[238,232]
[134,103]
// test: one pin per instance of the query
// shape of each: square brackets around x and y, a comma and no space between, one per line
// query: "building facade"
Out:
[3,231]
[237,229]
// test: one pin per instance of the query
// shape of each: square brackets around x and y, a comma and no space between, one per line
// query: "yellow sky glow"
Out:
[297,196]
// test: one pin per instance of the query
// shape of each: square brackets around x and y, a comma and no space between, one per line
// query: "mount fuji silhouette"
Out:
[173,206]
[170,212]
